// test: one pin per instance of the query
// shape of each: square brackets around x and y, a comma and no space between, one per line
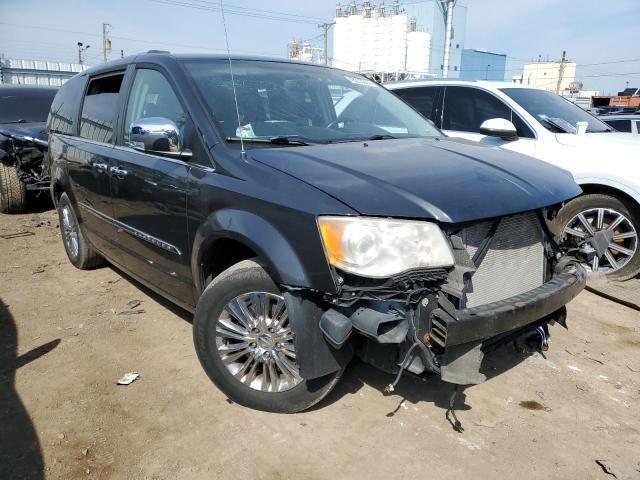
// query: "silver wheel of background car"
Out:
[255,342]
[615,226]
[70,232]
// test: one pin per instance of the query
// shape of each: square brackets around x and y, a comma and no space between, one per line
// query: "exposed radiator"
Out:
[514,263]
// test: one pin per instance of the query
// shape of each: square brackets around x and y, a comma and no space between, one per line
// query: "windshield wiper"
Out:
[279,140]
[555,124]
[381,137]
[20,120]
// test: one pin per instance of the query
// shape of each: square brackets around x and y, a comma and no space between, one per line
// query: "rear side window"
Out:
[465,109]
[620,125]
[63,116]
[423,99]
[99,108]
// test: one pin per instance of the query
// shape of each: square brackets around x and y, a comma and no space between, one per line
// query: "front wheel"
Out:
[607,219]
[244,341]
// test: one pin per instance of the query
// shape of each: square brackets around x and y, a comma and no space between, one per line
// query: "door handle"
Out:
[100,167]
[118,172]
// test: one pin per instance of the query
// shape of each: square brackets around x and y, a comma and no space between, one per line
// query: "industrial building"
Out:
[399,41]
[556,77]
[36,72]
[479,64]
[430,17]
[303,51]
[377,40]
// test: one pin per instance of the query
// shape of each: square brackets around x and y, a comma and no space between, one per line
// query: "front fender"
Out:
[285,265]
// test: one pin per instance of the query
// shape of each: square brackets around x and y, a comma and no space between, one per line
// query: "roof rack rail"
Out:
[167,52]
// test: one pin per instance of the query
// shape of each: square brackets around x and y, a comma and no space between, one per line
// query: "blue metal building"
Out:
[482,65]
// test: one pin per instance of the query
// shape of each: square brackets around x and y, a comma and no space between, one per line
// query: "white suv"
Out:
[605,221]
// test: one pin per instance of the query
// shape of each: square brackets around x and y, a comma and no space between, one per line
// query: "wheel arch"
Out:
[56,192]
[230,235]
[612,188]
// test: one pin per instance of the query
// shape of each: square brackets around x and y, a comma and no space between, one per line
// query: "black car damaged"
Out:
[23,144]
[306,215]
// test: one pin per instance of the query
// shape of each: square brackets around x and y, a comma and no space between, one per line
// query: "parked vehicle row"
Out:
[307,215]
[623,123]
[548,127]
[23,144]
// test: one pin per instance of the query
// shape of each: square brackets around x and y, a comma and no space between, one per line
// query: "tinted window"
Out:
[620,125]
[555,113]
[465,109]
[423,99]
[99,108]
[28,105]
[637,127]
[152,96]
[64,109]
[316,103]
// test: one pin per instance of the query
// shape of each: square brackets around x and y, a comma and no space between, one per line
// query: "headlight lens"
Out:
[380,247]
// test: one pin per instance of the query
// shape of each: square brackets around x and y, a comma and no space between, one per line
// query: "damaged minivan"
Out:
[24,167]
[306,216]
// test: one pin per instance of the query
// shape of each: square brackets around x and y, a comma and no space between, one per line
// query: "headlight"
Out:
[379,247]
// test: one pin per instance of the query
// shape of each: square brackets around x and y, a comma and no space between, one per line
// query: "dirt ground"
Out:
[64,342]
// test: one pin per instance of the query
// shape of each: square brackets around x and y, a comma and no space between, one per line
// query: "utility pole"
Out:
[106,41]
[81,48]
[446,7]
[561,71]
[325,33]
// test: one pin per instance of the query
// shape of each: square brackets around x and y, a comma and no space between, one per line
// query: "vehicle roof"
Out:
[159,56]
[489,84]
[12,88]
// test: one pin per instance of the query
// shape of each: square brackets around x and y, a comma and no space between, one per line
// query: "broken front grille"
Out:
[514,262]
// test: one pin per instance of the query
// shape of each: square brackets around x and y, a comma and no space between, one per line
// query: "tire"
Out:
[212,344]
[80,253]
[613,208]
[13,193]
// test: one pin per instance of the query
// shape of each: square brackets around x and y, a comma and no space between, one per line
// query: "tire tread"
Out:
[13,193]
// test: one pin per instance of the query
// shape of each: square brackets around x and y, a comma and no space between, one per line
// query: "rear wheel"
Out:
[613,221]
[245,344]
[13,193]
[80,253]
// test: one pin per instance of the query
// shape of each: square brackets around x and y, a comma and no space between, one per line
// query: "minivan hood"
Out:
[35,130]
[442,179]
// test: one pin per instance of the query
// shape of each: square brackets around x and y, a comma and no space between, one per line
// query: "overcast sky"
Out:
[592,31]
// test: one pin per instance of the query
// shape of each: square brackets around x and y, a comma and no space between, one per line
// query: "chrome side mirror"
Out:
[499,127]
[156,135]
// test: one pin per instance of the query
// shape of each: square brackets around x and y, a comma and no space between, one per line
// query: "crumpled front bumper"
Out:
[486,321]
[463,333]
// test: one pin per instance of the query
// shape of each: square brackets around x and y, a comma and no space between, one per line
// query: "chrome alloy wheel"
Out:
[70,231]
[255,342]
[624,237]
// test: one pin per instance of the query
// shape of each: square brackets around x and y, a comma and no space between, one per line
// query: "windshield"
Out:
[25,107]
[311,103]
[554,112]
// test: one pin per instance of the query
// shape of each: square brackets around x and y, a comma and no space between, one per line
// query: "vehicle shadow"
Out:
[428,388]
[20,452]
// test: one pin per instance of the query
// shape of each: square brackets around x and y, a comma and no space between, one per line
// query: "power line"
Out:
[245,13]
[257,10]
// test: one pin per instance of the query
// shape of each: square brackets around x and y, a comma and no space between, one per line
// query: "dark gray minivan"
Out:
[306,215]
